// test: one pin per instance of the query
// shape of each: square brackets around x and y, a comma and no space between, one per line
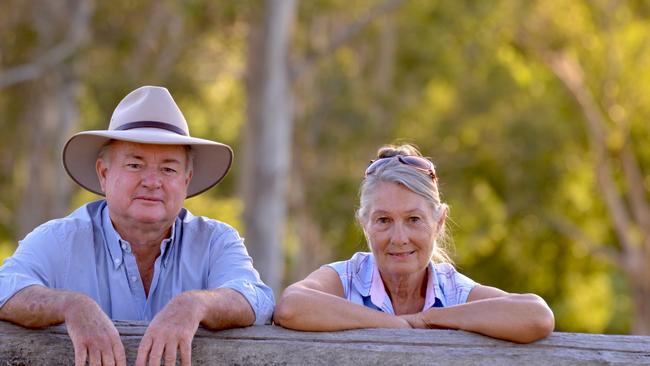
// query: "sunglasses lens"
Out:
[417,162]
[375,164]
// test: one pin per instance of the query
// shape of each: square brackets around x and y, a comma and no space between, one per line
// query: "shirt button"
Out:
[117,261]
[134,279]
[123,246]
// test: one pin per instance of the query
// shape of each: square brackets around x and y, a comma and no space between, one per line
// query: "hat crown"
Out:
[148,104]
[147,115]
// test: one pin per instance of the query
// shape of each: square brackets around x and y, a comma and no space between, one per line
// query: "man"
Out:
[138,254]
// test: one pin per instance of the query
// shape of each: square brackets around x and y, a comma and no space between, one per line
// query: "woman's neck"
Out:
[407,293]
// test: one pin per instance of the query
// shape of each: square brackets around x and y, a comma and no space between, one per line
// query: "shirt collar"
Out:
[167,244]
[114,241]
[432,286]
[379,296]
[362,279]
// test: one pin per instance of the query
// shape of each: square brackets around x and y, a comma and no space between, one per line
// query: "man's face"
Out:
[144,183]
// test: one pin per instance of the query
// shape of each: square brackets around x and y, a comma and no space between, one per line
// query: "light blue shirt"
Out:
[362,284]
[83,253]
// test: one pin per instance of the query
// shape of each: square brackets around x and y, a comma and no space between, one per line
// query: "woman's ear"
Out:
[441,220]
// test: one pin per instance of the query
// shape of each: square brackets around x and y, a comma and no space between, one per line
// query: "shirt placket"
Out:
[133,277]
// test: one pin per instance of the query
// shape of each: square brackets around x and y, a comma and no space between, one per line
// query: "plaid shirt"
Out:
[362,284]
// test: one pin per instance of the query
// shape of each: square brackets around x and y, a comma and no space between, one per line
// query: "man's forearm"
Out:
[219,308]
[37,306]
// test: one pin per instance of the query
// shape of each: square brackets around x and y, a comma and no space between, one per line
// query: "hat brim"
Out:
[212,160]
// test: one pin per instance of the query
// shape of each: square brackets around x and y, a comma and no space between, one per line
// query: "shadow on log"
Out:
[271,345]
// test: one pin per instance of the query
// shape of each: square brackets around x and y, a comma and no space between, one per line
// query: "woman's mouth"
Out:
[401,254]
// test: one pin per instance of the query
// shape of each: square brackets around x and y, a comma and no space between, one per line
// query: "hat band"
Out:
[154,124]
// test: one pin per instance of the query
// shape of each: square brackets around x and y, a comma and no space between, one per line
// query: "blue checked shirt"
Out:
[83,253]
[362,284]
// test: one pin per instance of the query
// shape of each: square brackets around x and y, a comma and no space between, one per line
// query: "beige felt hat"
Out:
[148,115]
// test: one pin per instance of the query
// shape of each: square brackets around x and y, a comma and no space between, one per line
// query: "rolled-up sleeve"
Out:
[232,267]
[29,265]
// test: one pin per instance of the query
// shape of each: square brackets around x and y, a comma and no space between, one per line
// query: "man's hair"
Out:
[105,153]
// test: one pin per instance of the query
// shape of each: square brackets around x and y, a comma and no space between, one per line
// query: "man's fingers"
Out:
[80,355]
[143,351]
[170,354]
[155,355]
[108,359]
[120,355]
[94,357]
[186,353]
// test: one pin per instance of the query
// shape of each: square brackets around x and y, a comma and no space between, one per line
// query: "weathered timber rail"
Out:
[271,345]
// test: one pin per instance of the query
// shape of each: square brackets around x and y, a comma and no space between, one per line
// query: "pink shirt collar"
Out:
[380,298]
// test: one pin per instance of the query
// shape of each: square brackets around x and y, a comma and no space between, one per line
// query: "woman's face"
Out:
[400,229]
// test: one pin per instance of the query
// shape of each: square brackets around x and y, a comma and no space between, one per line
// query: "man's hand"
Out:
[172,329]
[94,337]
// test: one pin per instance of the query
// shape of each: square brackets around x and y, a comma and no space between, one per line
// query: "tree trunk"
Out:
[49,121]
[267,139]
[50,110]
[638,271]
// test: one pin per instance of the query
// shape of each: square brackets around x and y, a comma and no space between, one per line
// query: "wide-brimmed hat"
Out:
[148,115]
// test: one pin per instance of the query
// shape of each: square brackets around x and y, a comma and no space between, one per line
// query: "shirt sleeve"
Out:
[454,285]
[33,263]
[464,286]
[343,270]
[232,267]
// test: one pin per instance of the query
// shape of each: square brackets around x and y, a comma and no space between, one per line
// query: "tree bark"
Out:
[50,120]
[267,139]
[50,111]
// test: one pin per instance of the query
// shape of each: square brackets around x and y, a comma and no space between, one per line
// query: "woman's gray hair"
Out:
[414,180]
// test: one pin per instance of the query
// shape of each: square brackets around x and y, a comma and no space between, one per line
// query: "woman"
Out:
[407,281]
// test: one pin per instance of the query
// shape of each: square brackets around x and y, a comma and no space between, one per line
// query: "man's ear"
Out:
[101,168]
[188,178]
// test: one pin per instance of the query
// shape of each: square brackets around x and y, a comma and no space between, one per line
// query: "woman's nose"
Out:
[400,235]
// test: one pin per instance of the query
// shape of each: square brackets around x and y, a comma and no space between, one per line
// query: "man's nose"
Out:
[151,178]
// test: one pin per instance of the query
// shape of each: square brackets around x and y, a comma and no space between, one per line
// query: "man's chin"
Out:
[149,218]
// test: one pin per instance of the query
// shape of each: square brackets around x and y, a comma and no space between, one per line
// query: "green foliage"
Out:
[464,80]
[508,141]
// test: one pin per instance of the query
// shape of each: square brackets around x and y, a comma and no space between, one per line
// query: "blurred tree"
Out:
[535,114]
[267,138]
[44,77]
[616,165]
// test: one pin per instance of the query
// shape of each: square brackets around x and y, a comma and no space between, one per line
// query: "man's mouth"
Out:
[148,198]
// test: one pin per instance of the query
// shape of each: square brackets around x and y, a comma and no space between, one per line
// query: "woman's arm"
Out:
[520,318]
[317,304]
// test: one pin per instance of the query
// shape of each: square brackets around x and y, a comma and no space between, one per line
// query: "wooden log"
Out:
[271,345]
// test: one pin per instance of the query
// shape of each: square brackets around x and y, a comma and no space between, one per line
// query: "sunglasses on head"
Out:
[417,162]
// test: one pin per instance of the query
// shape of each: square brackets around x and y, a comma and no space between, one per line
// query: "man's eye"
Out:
[133,165]
[169,170]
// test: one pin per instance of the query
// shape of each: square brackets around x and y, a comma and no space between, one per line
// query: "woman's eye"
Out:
[414,219]
[382,220]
